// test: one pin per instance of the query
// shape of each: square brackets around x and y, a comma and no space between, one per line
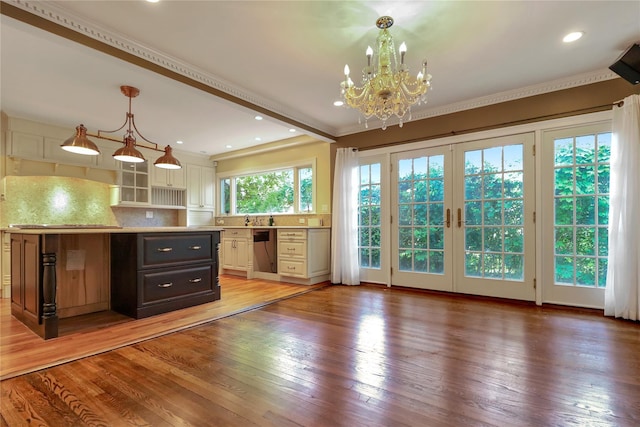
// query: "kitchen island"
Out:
[48,263]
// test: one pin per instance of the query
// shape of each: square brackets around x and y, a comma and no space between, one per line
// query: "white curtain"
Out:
[345,265]
[622,295]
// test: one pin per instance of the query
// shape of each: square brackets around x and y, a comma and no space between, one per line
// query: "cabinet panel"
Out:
[27,146]
[25,277]
[292,267]
[168,178]
[200,187]
[296,249]
[162,284]
[167,250]
[31,279]
[235,254]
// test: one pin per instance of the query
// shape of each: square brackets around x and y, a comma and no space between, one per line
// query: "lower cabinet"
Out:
[235,250]
[25,278]
[304,254]
[154,273]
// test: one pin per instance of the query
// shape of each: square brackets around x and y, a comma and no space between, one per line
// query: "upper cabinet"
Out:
[200,187]
[134,185]
[173,178]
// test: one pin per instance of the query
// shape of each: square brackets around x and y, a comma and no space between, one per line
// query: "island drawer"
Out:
[161,285]
[161,250]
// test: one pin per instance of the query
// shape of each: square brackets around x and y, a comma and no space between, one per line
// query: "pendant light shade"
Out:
[80,144]
[168,161]
[128,153]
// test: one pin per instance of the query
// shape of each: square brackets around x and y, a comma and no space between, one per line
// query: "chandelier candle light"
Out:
[387,88]
[80,144]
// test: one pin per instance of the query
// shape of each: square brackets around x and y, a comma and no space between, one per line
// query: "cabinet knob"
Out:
[165,249]
[196,280]
[165,285]
[195,247]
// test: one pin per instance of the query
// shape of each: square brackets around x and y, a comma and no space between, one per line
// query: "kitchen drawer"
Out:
[292,267]
[160,285]
[295,249]
[164,250]
[288,233]
[234,233]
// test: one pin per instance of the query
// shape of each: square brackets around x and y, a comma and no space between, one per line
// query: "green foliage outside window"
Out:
[270,192]
[581,190]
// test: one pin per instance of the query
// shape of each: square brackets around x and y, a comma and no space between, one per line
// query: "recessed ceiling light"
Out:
[258,117]
[571,37]
[153,1]
[179,142]
[258,138]
[228,146]
[338,103]
[292,130]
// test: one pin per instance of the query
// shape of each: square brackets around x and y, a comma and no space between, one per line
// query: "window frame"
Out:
[295,167]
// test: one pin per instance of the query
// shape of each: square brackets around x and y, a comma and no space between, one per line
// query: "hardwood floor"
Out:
[354,356]
[22,351]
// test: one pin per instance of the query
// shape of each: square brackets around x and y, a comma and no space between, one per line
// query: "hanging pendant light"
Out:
[79,143]
[128,153]
[167,161]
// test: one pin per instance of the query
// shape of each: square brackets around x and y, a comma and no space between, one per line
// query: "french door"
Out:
[463,218]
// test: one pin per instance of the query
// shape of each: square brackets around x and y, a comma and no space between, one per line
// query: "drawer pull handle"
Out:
[291,268]
[165,285]
[165,249]
[195,248]
[196,280]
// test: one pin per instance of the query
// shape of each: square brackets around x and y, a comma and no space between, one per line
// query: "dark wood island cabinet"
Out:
[154,273]
[138,272]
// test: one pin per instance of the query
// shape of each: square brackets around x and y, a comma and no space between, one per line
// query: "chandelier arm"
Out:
[154,145]
[99,135]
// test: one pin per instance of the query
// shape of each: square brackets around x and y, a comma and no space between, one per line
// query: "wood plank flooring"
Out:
[354,356]
[22,351]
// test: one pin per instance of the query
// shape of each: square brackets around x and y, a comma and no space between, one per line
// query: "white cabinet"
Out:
[304,254]
[235,249]
[134,185]
[174,178]
[200,187]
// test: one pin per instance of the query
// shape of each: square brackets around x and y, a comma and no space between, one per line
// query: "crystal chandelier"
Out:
[387,88]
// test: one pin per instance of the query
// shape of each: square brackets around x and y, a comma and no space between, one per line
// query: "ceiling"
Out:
[285,59]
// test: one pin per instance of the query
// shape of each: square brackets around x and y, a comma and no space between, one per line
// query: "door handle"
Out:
[459,217]
[448,218]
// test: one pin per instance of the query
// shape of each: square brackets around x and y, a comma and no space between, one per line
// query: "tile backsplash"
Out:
[64,200]
[54,200]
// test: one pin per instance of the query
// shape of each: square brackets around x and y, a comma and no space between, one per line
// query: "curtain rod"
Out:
[594,109]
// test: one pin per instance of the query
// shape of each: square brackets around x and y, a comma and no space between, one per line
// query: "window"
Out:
[581,209]
[369,211]
[283,190]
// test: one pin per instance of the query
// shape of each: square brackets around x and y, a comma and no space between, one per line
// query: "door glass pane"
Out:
[421,214]
[581,208]
[494,213]
[369,222]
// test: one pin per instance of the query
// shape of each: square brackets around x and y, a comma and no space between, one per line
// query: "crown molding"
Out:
[497,98]
[62,17]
